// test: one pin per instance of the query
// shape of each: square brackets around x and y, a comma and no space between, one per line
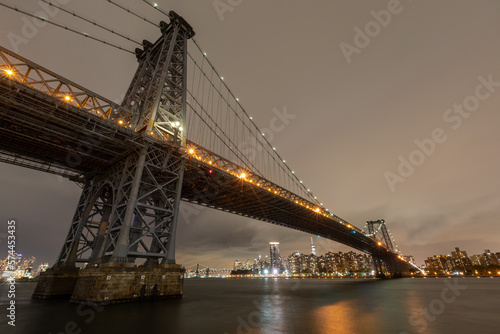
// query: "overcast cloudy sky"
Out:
[361,99]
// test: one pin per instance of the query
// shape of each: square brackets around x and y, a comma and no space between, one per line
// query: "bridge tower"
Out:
[125,222]
[384,259]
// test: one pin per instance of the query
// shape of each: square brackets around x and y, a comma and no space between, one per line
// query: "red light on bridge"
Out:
[210,171]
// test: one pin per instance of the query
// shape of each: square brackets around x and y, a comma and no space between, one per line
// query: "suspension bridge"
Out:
[180,134]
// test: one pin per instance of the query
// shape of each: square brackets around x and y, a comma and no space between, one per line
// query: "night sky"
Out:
[379,132]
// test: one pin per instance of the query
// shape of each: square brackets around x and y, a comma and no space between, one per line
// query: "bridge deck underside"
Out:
[223,191]
[39,132]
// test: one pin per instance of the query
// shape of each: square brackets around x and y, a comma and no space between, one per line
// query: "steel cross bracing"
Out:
[378,227]
[157,92]
[102,209]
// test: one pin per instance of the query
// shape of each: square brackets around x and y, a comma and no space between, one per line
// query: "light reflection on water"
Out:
[343,318]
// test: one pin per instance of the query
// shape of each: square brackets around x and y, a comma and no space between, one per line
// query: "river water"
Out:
[278,305]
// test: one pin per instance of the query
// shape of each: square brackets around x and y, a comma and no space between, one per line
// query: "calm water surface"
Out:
[269,305]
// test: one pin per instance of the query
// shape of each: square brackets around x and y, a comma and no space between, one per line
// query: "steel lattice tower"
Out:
[383,263]
[378,226]
[137,200]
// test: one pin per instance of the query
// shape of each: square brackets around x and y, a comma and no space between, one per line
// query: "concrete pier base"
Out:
[117,282]
[56,283]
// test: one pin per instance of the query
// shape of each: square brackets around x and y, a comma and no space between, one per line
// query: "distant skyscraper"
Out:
[275,255]
[313,249]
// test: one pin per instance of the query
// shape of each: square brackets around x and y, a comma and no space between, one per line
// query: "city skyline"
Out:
[17,266]
[457,262]
[444,264]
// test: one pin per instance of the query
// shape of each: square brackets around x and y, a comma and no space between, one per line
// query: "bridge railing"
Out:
[16,68]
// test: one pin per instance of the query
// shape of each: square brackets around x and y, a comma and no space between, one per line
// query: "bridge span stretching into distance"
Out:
[177,136]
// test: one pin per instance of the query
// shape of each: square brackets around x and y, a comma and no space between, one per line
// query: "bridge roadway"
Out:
[46,132]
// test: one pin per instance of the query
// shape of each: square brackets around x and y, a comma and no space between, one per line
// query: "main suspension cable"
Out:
[91,22]
[131,12]
[41,18]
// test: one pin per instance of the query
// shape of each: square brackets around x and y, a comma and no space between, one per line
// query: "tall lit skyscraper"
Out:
[313,249]
[275,255]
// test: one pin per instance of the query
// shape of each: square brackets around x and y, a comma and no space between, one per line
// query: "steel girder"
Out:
[155,210]
[15,68]
[101,210]
[92,216]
